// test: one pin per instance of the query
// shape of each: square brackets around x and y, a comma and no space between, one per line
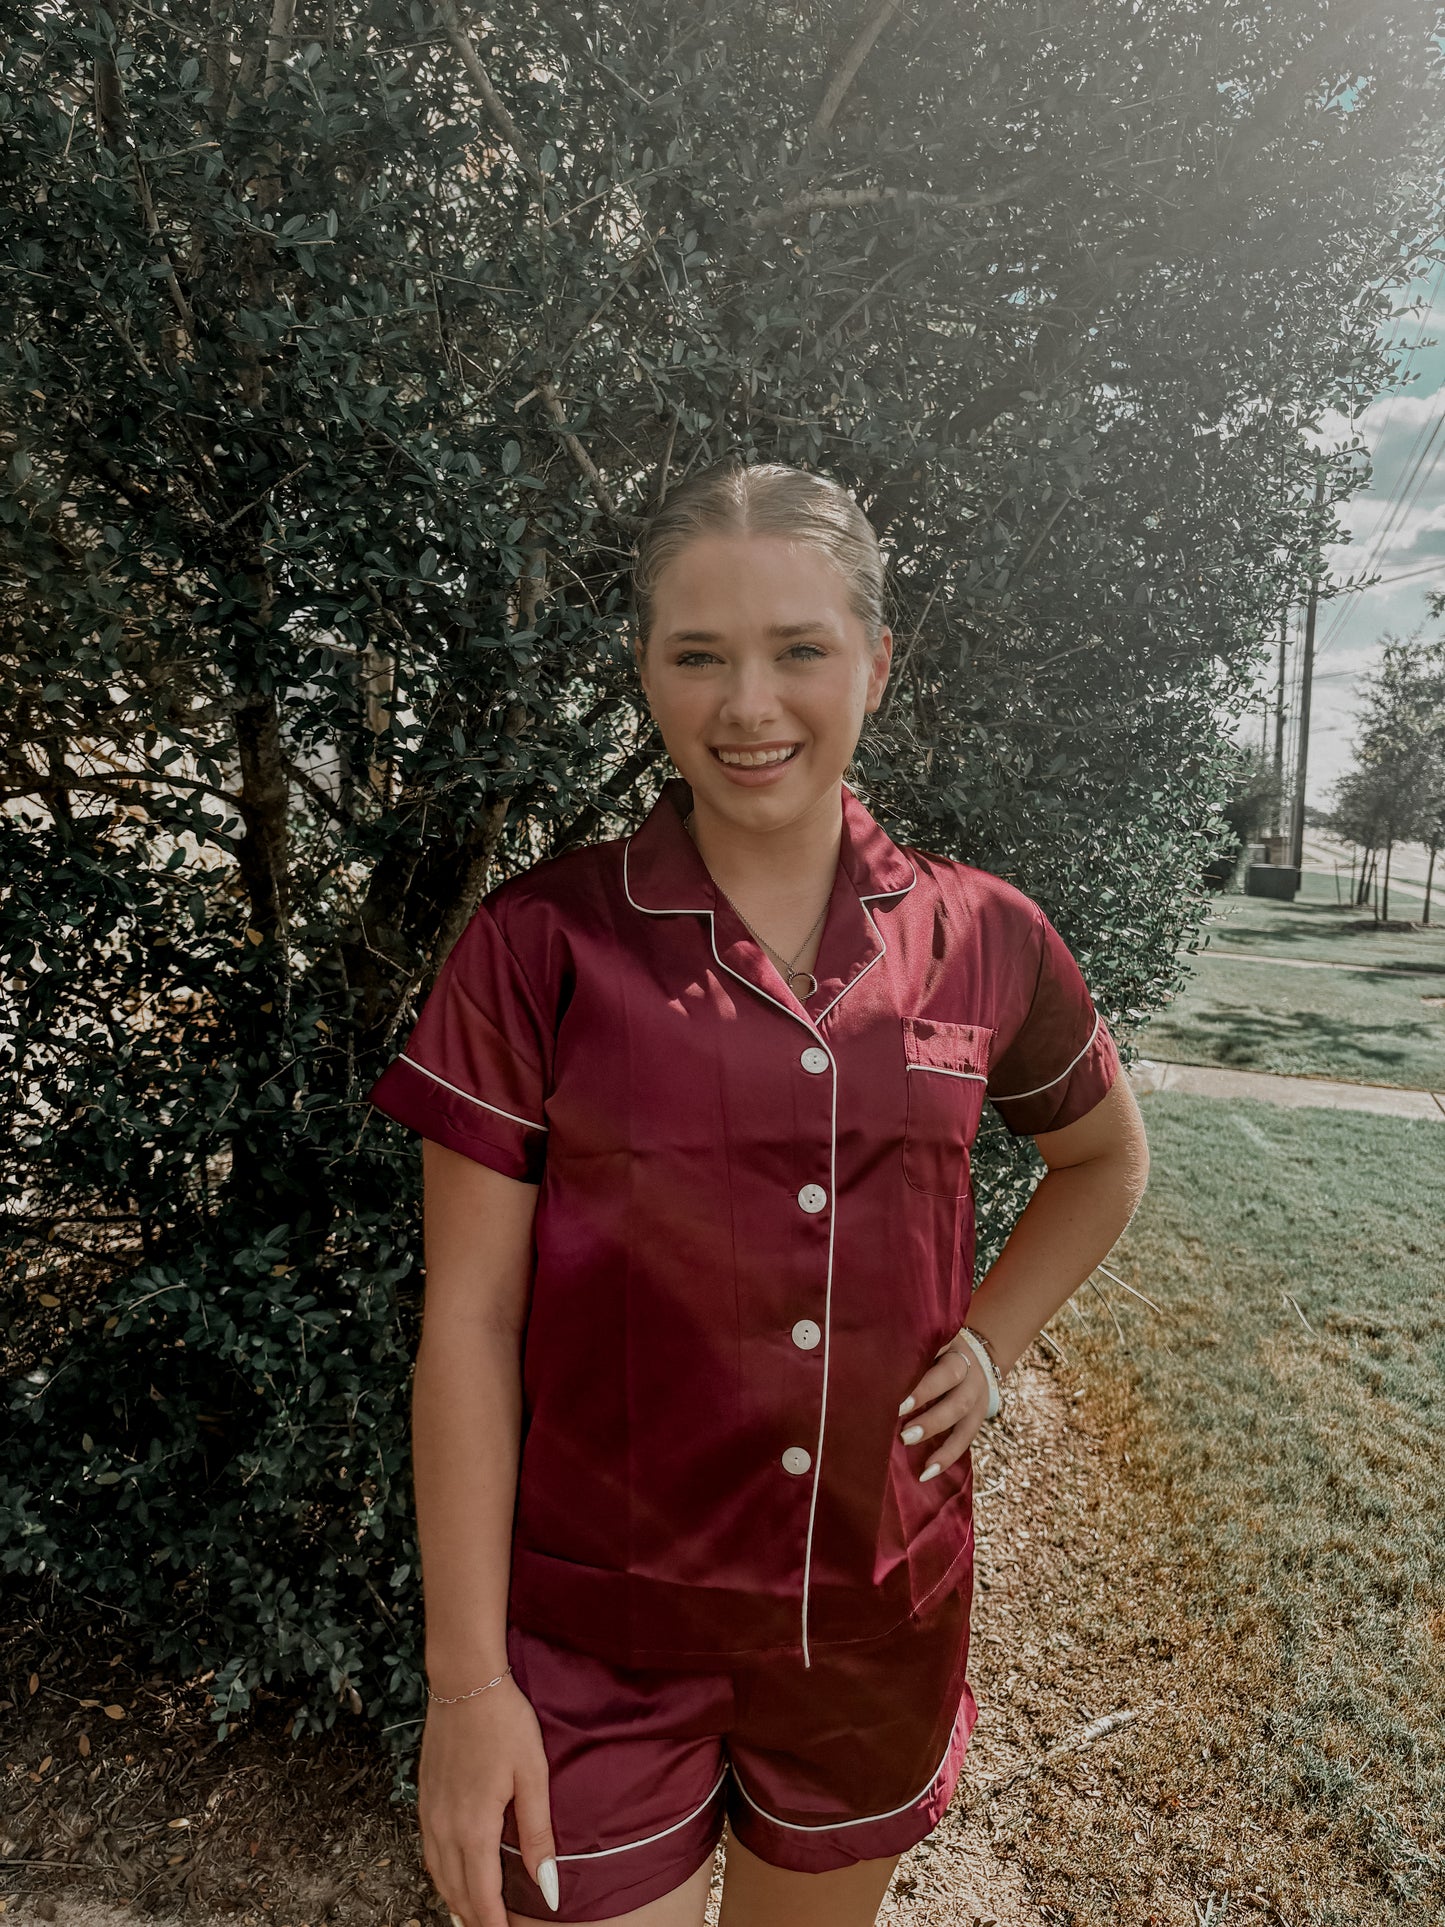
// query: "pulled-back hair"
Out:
[763,498]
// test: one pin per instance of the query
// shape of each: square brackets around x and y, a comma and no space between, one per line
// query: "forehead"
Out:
[774,585]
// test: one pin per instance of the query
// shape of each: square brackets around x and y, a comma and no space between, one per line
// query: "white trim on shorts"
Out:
[601,1853]
[832,1826]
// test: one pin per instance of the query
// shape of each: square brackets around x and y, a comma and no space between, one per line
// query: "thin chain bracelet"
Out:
[438,1699]
[1004,1394]
[987,1344]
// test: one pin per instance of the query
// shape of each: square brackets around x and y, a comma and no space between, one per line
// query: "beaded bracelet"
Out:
[438,1700]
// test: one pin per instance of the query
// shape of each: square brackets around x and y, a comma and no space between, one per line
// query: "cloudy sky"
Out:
[1402,510]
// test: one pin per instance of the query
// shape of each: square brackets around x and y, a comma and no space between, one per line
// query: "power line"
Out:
[1407,489]
[1406,575]
[1412,457]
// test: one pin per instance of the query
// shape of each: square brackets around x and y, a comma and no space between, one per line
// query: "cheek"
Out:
[678,704]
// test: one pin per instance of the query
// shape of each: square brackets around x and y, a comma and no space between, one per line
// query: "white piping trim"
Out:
[676,910]
[941,1070]
[832,1826]
[601,1853]
[468,1096]
[1053,1080]
[811,1025]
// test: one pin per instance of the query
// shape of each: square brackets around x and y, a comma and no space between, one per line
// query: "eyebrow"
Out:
[780,630]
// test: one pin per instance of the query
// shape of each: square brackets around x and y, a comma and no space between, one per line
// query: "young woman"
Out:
[702,1355]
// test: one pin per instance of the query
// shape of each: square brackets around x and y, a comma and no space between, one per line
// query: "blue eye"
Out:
[806,649]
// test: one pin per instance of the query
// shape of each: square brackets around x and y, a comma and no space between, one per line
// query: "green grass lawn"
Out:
[1316,927]
[1370,1023]
[1283,1421]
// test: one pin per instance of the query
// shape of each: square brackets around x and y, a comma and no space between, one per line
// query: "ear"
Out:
[878,670]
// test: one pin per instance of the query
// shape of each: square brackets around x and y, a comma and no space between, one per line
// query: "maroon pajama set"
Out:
[730,1595]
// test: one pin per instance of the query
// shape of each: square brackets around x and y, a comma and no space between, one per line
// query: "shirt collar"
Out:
[665,871]
[665,875]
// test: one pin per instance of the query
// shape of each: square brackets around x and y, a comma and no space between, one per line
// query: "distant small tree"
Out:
[1396,791]
[1433,813]
[1254,797]
[1433,828]
[1250,806]
[1359,817]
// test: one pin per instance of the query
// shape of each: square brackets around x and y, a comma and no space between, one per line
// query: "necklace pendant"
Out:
[802,995]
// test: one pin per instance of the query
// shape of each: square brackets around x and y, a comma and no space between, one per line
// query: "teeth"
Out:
[754,758]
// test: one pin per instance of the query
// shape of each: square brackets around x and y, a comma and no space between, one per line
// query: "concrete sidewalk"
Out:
[1208,1080]
[1318,963]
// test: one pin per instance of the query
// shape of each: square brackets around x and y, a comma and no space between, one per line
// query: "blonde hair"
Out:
[763,498]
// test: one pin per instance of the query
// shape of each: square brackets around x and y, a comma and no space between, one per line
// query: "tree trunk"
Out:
[1383,914]
[1429,879]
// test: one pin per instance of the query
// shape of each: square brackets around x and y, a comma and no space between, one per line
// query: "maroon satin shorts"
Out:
[852,1758]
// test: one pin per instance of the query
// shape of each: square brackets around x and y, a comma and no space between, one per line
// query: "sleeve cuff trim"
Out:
[1009,1097]
[526,1122]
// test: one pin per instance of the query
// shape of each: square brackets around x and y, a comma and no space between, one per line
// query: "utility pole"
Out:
[1279,724]
[1307,679]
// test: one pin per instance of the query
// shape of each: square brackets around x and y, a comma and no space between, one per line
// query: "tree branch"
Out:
[848,72]
[840,197]
[645,757]
[48,786]
[113,117]
[501,119]
[580,456]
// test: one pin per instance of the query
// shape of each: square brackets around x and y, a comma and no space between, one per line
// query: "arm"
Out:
[1097,1170]
[466,1428]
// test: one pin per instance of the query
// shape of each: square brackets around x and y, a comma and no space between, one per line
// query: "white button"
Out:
[812,1197]
[806,1334]
[814,1059]
[795,1459]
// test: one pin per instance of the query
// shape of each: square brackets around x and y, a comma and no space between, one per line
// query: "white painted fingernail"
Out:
[912,1435]
[455,1919]
[929,1471]
[547,1881]
[906,1406]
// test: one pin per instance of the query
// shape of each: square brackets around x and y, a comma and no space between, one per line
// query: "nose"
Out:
[750,700]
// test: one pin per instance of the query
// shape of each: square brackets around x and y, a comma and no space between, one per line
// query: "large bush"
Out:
[347,346]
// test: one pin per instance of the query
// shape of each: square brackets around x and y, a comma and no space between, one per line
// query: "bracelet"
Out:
[438,1700]
[987,1343]
[986,1364]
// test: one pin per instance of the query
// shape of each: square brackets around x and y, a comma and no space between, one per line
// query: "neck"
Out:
[785,859]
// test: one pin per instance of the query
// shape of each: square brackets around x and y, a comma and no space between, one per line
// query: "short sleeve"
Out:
[473,1073]
[1062,1059]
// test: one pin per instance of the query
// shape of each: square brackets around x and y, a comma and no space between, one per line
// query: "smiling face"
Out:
[759,675]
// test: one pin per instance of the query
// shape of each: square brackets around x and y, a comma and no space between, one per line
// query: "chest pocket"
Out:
[947,1072]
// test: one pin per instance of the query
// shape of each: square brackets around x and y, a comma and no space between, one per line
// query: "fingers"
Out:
[482,1859]
[467,1872]
[447,1869]
[956,1404]
[953,1447]
[531,1805]
[946,1374]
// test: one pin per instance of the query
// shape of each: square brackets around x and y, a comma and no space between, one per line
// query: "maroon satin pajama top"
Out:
[754,1222]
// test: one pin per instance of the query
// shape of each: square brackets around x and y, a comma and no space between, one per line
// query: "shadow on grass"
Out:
[1247,1040]
[1348,925]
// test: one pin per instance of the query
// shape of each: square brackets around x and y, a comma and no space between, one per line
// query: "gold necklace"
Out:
[785,964]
